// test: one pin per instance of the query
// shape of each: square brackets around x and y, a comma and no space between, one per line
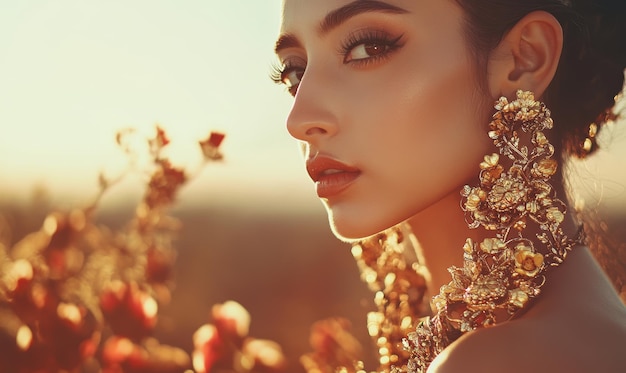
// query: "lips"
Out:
[331,177]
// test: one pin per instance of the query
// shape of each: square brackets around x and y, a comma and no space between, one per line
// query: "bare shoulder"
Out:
[577,325]
[539,346]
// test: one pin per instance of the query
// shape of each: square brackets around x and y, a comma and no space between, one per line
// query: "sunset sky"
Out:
[73,72]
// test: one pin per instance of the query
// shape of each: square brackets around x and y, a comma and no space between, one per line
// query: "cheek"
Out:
[439,118]
[420,137]
[432,141]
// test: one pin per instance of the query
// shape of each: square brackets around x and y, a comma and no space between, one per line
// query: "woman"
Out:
[394,106]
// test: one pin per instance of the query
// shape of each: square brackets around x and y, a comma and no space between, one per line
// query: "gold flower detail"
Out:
[491,170]
[527,262]
[501,103]
[525,107]
[507,194]
[484,292]
[468,247]
[453,291]
[475,197]
[541,139]
[518,298]
[498,128]
[544,168]
[490,161]
[555,215]
[439,302]
[520,225]
[492,245]
[533,207]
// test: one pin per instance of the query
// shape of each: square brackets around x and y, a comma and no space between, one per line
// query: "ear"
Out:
[527,57]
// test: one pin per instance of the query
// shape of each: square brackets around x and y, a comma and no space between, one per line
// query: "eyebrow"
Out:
[338,16]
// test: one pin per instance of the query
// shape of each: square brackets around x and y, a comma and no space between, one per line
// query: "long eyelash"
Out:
[276,72]
[368,36]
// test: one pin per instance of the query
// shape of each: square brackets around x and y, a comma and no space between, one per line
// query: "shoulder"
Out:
[578,325]
[530,346]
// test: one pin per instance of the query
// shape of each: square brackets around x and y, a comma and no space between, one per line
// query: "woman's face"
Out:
[386,105]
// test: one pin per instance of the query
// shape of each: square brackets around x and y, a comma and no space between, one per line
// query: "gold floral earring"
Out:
[503,273]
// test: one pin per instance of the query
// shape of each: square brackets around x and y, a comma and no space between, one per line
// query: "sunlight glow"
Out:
[73,73]
[24,338]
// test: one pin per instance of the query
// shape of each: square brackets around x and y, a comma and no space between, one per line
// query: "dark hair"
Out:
[591,69]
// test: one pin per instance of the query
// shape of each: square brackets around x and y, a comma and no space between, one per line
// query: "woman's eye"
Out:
[366,50]
[287,75]
[291,78]
[369,46]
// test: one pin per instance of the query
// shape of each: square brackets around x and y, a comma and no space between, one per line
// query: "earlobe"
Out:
[527,57]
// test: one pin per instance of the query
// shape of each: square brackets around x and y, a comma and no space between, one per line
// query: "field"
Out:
[284,266]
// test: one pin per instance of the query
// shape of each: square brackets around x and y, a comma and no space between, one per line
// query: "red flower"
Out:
[131,312]
[164,184]
[120,350]
[208,348]
[231,320]
[210,146]
[160,140]
[264,355]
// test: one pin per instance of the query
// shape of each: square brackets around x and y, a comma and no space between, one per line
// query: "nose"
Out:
[313,114]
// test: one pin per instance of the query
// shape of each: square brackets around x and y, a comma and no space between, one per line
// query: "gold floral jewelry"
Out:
[500,275]
[391,264]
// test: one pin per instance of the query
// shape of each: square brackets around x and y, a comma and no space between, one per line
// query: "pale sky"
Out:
[73,72]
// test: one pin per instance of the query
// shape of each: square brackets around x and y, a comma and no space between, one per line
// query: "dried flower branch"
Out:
[98,290]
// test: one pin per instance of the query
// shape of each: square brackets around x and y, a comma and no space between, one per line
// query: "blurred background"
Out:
[74,72]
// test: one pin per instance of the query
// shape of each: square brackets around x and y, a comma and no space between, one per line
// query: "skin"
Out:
[412,116]
[344,110]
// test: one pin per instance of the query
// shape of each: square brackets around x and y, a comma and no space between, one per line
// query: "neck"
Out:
[441,231]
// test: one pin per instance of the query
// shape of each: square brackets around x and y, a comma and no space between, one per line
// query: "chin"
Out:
[353,230]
